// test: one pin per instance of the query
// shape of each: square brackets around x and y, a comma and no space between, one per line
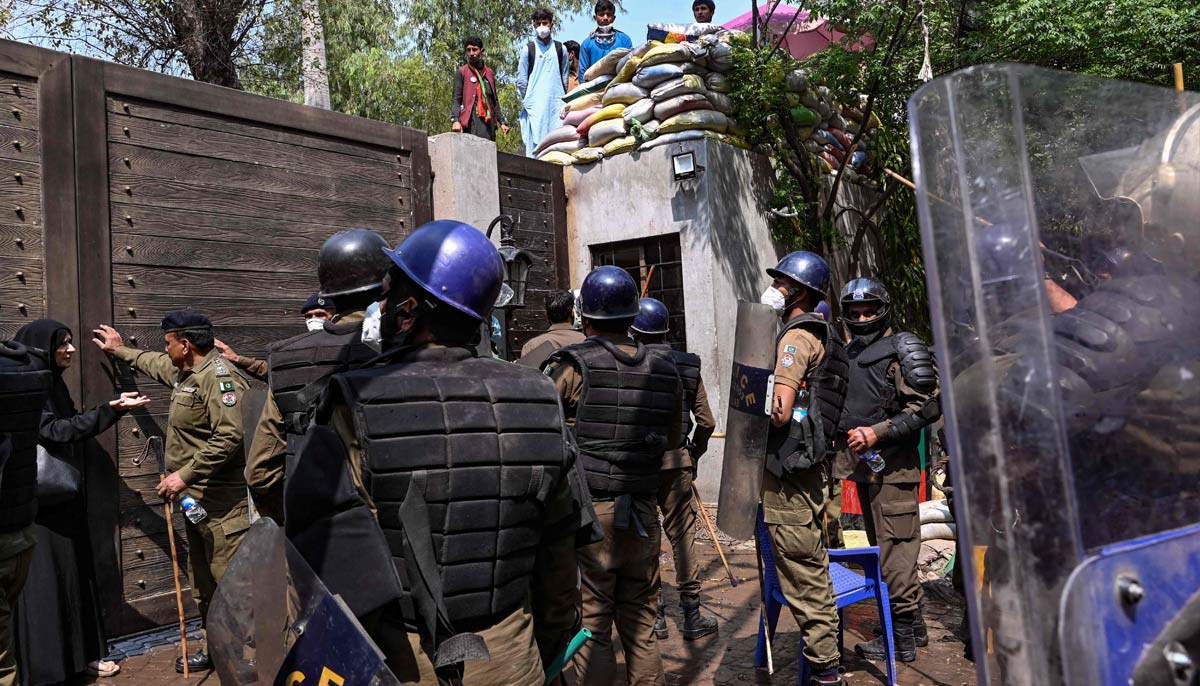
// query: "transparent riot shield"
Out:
[272,622]
[1060,216]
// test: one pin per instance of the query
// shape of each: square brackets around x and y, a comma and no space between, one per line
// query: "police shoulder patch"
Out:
[221,370]
[787,360]
[229,399]
[789,349]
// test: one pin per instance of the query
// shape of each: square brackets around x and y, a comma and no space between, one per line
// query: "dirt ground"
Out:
[726,659]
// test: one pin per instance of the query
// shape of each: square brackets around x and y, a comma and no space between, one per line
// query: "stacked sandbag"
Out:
[829,128]
[671,89]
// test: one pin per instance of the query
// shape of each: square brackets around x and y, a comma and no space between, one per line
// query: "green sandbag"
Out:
[596,85]
[607,64]
[620,145]
[556,157]
[802,116]
[605,132]
[696,120]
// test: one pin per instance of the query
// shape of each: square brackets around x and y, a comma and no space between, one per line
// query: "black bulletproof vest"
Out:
[488,442]
[24,383]
[688,366]
[826,390]
[872,396]
[301,367]
[624,416]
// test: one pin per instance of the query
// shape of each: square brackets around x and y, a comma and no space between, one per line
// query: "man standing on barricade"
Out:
[205,453]
[806,405]
[435,489]
[351,267]
[679,470]
[893,395]
[625,402]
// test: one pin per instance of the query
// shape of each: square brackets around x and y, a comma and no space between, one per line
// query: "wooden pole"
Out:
[913,187]
[178,587]
[1179,76]
[649,275]
[713,532]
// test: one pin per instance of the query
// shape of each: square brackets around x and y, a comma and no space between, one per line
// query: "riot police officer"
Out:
[433,483]
[675,481]
[892,397]
[806,405]
[24,383]
[625,403]
[351,267]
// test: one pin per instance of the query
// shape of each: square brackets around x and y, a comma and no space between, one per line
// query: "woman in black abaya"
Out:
[58,630]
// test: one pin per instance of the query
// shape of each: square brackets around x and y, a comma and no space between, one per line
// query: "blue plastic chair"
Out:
[848,588]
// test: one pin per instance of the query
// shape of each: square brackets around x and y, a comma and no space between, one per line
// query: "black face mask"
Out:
[389,326]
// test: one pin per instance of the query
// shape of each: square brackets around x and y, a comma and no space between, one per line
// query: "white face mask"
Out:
[773,299]
[370,334]
[543,32]
[314,324]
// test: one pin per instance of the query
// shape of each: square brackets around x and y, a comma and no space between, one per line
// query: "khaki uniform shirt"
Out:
[706,424]
[560,336]
[903,468]
[254,367]
[204,426]
[797,356]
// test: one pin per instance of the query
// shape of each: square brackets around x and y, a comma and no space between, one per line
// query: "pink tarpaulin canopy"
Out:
[809,33]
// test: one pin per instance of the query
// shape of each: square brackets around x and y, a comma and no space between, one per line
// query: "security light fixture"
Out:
[517,262]
[684,165]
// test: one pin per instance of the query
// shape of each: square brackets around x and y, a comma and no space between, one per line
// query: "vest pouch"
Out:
[802,447]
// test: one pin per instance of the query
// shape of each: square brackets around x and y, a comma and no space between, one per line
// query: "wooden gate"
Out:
[533,193]
[161,194]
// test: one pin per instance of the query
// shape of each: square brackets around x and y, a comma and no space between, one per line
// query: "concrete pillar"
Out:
[466,181]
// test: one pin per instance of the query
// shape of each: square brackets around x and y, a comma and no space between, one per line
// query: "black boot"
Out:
[920,631]
[902,642]
[660,622]
[694,624]
[198,662]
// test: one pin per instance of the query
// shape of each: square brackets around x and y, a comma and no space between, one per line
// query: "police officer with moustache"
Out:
[679,469]
[625,403]
[893,395]
[806,406]
[434,490]
[350,266]
[205,451]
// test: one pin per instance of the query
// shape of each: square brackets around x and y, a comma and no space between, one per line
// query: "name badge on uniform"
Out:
[229,399]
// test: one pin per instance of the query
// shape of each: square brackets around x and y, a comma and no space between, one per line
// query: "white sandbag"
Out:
[607,66]
[623,94]
[588,156]
[669,138]
[720,102]
[562,133]
[649,77]
[642,111]
[584,103]
[935,511]
[688,83]
[566,146]
[605,132]
[947,531]
[718,82]
[681,103]
[702,120]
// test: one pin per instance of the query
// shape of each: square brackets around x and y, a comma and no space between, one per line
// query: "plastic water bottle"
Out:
[192,509]
[874,460]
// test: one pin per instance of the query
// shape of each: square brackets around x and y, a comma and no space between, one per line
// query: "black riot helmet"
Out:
[352,262]
[866,291]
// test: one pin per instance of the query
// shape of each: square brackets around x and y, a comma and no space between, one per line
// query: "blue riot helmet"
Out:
[866,290]
[455,264]
[822,309]
[653,318]
[805,268]
[608,293]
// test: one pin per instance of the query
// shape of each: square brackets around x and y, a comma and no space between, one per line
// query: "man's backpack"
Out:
[531,55]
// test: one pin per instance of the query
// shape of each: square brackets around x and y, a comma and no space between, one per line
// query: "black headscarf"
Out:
[46,335]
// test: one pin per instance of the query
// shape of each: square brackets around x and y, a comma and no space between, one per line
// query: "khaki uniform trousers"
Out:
[793,510]
[620,585]
[13,572]
[833,516]
[514,661]
[892,517]
[679,523]
[211,546]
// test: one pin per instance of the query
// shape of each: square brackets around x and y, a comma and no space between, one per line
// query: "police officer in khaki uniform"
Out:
[675,489]
[435,490]
[806,404]
[892,396]
[204,445]
[624,403]
[350,266]
[560,312]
